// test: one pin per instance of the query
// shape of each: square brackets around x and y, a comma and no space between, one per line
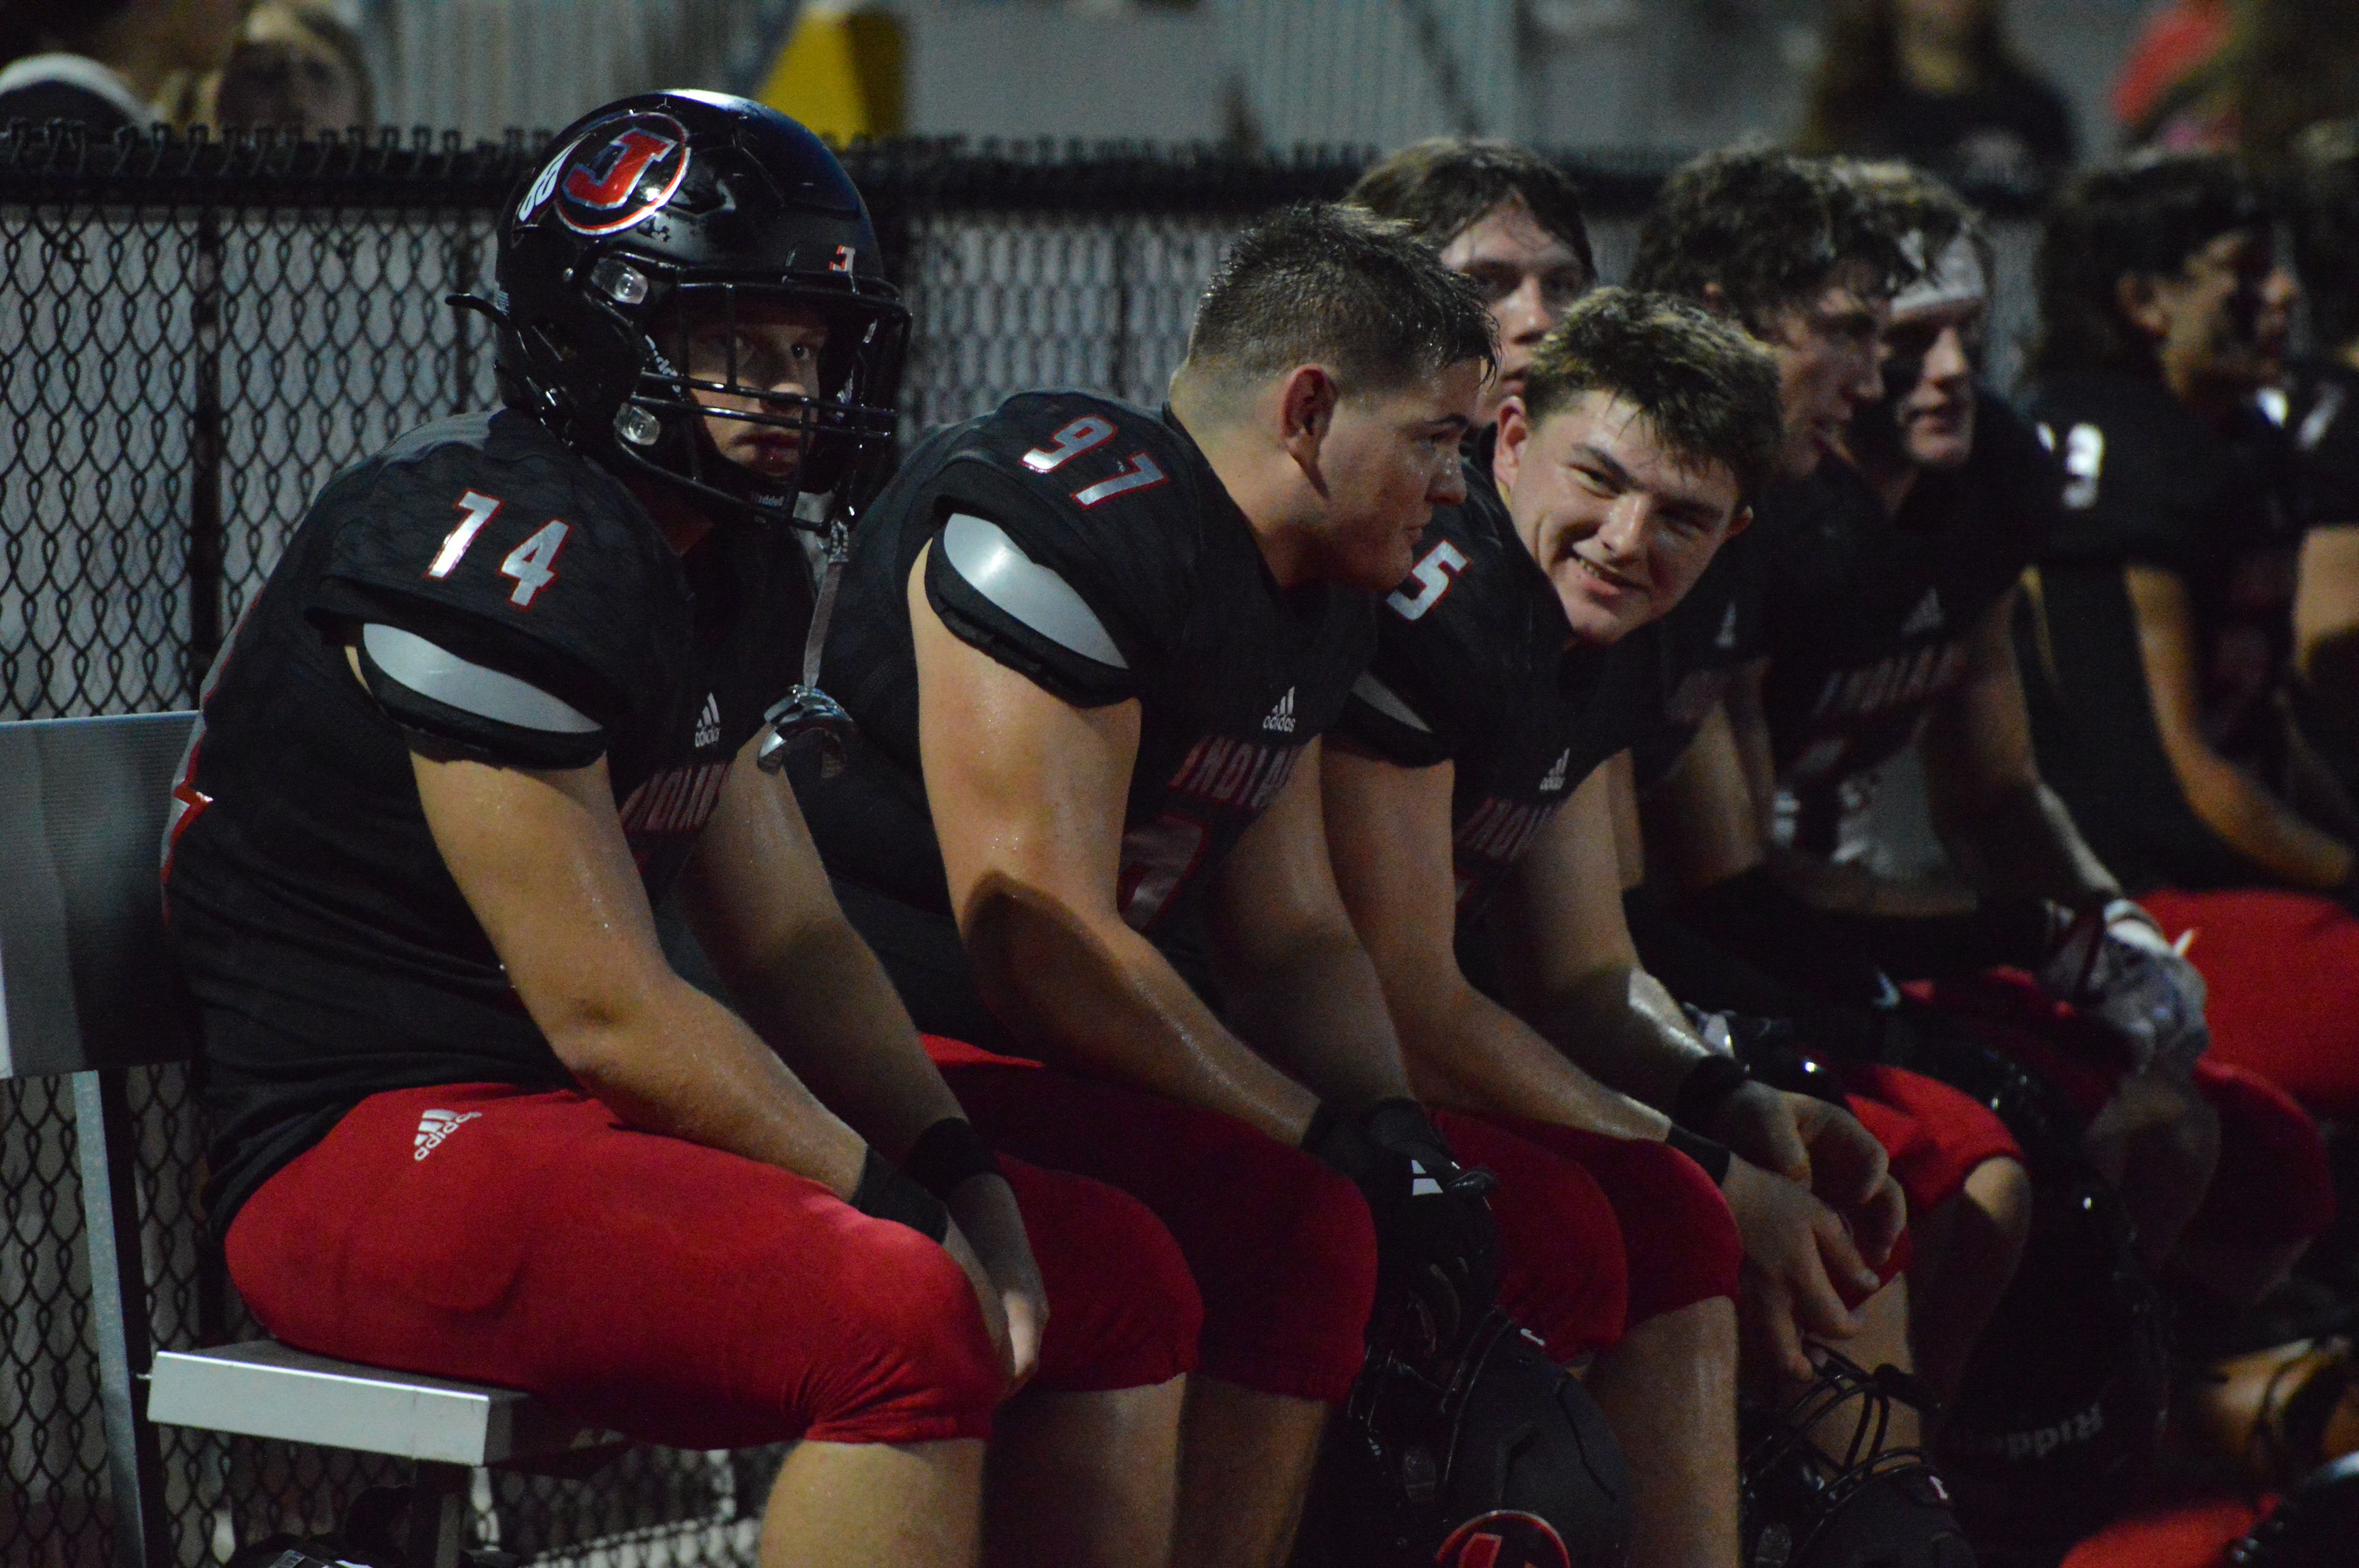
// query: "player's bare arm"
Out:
[1388,833]
[1031,832]
[2230,802]
[1566,947]
[541,859]
[2006,829]
[1299,986]
[760,904]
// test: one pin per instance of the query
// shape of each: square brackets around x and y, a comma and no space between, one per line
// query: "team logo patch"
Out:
[621,173]
[1504,1539]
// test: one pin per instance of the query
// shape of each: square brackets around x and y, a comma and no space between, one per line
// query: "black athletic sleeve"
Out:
[510,560]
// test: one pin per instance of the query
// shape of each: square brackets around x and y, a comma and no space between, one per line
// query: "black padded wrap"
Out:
[887,1193]
[432,726]
[1706,1088]
[1716,1158]
[948,1153]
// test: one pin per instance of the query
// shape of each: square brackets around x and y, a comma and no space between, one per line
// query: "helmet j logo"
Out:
[621,173]
[1505,1538]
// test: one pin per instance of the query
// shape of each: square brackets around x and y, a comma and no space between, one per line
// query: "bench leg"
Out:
[437,1515]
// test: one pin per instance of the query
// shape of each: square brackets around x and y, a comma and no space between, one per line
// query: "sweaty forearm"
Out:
[1468,1053]
[1621,1026]
[850,1039]
[681,1065]
[2025,845]
[1095,997]
[1313,1006]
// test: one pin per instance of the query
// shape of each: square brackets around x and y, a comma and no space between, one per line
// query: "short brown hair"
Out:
[1336,285]
[1709,390]
[1768,227]
[1444,187]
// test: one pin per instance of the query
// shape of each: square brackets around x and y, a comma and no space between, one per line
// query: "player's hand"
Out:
[1437,1245]
[987,1237]
[1796,1248]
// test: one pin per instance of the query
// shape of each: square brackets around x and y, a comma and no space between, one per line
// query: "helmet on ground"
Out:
[1812,1494]
[657,233]
[1493,1457]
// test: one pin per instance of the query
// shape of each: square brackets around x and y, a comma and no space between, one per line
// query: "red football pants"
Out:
[1281,1246]
[1597,1234]
[676,1292]
[2272,1184]
[1935,1135]
[2283,972]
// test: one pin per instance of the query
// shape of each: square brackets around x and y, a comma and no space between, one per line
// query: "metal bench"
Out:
[87,987]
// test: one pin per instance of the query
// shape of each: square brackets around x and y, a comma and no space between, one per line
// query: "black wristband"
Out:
[1714,1157]
[884,1193]
[1708,1083]
[947,1153]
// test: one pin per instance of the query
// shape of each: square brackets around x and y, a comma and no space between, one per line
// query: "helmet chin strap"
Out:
[806,710]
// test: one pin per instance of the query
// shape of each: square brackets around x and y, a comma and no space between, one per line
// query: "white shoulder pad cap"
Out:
[433,671]
[1387,701]
[980,551]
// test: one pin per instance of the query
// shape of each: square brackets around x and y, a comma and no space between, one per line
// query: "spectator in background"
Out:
[2178,40]
[2276,67]
[110,63]
[1935,83]
[294,64]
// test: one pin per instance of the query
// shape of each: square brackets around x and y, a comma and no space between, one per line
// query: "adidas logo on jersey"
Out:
[437,1125]
[1726,639]
[1554,778]
[1421,1184]
[1926,616]
[1281,717]
[708,724]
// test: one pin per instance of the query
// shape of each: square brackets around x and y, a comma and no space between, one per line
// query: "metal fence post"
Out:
[118,1288]
[205,433]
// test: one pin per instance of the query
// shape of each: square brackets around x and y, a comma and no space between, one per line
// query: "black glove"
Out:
[1437,1247]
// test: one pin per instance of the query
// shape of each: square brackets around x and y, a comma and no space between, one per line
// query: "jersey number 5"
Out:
[1433,576]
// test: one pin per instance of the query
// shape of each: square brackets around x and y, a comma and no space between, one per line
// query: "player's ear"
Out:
[1507,451]
[1306,409]
[1738,524]
[2141,303]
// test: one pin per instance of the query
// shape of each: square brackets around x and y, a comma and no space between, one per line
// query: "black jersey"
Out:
[1088,546]
[332,953]
[2149,483]
[1697,650]
[1472,668]
[1867,617]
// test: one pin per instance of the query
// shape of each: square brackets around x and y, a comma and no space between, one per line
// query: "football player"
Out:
[506,686]
[1091,650]
[1505,218]
[2158,646]
[1464,786]
[1806,263]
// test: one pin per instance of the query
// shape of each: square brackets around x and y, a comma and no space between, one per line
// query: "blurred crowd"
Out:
[115,63]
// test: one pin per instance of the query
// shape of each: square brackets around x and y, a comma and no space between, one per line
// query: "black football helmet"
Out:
[1491,1457]
[675,209]
[1809,1500]
[2059,1420]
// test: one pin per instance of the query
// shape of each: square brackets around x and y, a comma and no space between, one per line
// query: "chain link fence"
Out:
[198,335]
